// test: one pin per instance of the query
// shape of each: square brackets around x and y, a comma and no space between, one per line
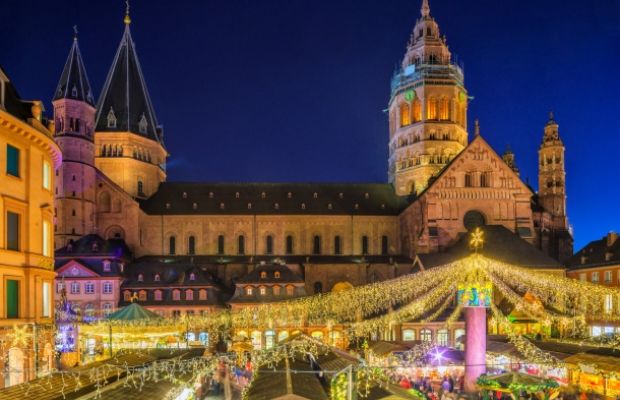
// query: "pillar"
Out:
[475,346]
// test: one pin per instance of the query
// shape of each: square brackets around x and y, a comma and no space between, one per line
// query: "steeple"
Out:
[425,10]
[125,104]
[73,82]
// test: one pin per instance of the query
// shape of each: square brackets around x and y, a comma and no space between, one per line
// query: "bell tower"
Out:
[129,140]
[552,175]
[74,121]
[427,109]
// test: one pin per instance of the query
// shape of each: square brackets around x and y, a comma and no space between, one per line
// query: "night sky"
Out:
[292,90]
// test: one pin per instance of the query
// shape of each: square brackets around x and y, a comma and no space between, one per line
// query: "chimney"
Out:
[611,238]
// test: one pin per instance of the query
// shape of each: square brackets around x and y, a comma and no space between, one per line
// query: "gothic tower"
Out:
[552,175]
[556,237]
[74,120]
[427,109]
[128,139]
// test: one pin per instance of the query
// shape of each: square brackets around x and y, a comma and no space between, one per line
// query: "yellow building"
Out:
[28,159]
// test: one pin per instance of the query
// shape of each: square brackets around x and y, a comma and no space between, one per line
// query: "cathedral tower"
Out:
[74,120]
[128,139]
[427,110]
[552,175]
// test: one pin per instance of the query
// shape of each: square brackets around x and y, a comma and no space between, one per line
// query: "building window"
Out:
[262,291]
[269,244]
[583,277]
[468,180]
[431,108]
[176,295]
[276,275]
[289,244]
[192,276]
[142,295]
[191,245]
[316,244]
[75,287]
[337,245]
[263,275]
[290,290]
[107,309]
[485,179]
[595,277]
[89,288]
[249,290]
[408,334]
[172,245]
[444,109]
[384,245]
[107,287]
[47,238]
[189,295]
[276,290]
[364,244]
[157,295]
[140,188]
[241,245]
[12,231]
[443,337]
[609,303]
[127,295]
[608,277]
[60,287]
[47,175]
[202,294]
[111,119]
[220,244]
[47,299]
[426,335]
[405,114]
[417,110]
[106,265]
[12,298]
[140,278]
[12,160]
[142,125]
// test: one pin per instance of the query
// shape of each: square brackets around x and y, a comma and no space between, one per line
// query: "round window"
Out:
[473,219]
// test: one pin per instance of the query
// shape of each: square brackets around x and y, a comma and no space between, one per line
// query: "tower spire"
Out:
[425,10]
[127,19]
[73,83]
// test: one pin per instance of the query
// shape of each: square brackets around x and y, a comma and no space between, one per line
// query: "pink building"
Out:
[90,269]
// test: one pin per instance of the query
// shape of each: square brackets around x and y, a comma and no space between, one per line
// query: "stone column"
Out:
[475,346]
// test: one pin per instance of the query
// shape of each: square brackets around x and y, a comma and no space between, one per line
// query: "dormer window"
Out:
[74,91]
[289,195]
[276,274]
[95,247]
[237,195]
[341,195]
[143,125]
[185,195]
[263,195]
[249,206]
[140,278]
[156,278]
[316,195]
[195,206]
[276,206]
[167,206]
[192,276]
[366,195]
[210,195]
[111,118]
[106,265]
[263,275]
[303,206]
[329,206]
[222,206]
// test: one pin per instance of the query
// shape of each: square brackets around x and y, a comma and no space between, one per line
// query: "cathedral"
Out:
[125,233]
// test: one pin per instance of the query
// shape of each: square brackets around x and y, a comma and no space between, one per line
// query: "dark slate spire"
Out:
[73,82]
[125,104]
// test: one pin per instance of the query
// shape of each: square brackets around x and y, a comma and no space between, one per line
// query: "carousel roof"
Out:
[133,312]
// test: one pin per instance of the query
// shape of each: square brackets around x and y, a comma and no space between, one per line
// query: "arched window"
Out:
[156,278]
[318,287]
[276,275]
[172,245]
[140,278]
[269,244]
[364,244]
[444,109]
[158,295]
[176,294]
[426,335]
[431,112]
[405,114]
[289,244]
[140,188]
[337,245]
[263,275]
[241,245]
[417,110]
[105,202]
[142,295]
[429,31]
[202,294]
[468,179]
[485,179]
[316,245]
[384,245]
[189,295]
[473,219]
[220,244]
[191,245]
[276,290]
[111,119]
[192,276]
[443,337]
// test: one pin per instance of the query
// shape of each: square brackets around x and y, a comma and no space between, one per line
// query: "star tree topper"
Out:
[476,240]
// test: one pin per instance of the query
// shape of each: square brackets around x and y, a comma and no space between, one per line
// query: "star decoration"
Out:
[476,241]
[20,336]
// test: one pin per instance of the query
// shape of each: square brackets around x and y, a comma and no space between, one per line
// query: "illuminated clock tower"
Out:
[427,109]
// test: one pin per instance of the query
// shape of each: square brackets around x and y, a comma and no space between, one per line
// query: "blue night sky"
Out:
[294,90]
